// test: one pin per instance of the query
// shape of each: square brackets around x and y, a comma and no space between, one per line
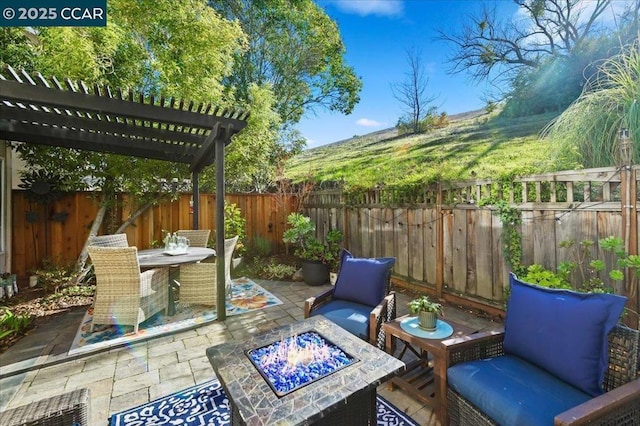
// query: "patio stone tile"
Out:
[86,377]
[163,349]
[286,321]
[200,363]
[128,400]
[266,326]
[100,360]
[202,376]
[135,383]
[185,335]
[160,361]
[161,341]
[196,341]
[130,367]
[56,371]
[99,409]
[168,387]
[424,416]
[191,353]
[219,337]
[210,328]
[138,351]
[170,372]
[242,334]
[101,388]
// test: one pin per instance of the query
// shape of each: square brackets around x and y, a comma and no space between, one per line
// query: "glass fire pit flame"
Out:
[298,360]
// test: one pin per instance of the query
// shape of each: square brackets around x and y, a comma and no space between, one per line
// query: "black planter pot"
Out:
[315,272]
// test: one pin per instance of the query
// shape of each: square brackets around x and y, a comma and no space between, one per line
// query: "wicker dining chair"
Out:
[198,280]
[114,240]
[198,284]
[124,295]
[196,237]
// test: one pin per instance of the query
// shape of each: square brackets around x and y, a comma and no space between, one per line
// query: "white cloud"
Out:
[368,123]
[370,7]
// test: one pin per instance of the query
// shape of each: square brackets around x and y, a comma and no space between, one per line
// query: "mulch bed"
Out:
[41,306]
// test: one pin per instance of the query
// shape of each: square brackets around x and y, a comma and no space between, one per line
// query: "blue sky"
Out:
[376,34]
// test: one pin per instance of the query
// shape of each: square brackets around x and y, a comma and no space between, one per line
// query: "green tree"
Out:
[542,57]
[181,49]
[296,47]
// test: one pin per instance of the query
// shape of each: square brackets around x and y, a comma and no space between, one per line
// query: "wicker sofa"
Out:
[68,409]
[489,382]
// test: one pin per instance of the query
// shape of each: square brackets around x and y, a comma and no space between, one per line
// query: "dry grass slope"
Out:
[474,145]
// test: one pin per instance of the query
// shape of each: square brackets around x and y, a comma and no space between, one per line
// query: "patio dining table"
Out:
[159,258]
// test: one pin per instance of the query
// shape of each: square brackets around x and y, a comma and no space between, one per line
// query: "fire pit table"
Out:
[323,375]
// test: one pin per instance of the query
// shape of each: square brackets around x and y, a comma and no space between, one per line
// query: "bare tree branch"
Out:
[489,49]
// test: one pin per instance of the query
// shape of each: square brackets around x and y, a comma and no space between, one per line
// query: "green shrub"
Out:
[235,224]
[11,323]
[260,247]
[278,271]
[55,274]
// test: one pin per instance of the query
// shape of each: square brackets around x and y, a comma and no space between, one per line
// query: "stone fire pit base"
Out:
[345,397]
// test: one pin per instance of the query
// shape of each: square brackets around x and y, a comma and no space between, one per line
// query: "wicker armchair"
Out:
[347,312]
[198,284]
[71,408]
[620,405]
[124,295]
[115,240]
[196,237]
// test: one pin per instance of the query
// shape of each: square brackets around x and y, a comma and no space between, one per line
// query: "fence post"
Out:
[629,223]
[439,241]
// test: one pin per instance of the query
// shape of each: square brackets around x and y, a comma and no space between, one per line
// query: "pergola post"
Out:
[196,200]
[220,191]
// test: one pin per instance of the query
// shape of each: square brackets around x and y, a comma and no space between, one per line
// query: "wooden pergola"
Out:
[96,118]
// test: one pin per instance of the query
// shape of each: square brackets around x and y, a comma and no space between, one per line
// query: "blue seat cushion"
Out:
[513,391]
[363,280]
[353,317]
[562,331]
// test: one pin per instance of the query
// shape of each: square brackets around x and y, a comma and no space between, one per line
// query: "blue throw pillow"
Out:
[562,331]
[363,280]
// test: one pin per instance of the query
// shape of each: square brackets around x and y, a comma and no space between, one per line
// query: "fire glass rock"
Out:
[298,360]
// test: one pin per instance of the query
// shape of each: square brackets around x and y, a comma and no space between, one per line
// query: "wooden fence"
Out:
[58,231]
[447,245]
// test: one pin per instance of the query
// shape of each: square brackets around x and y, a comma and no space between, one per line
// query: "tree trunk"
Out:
[95,227]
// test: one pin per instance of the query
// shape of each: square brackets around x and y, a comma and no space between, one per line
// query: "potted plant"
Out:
[427,311]
[317,257]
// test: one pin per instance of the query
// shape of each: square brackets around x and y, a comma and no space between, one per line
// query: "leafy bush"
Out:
[278,271]
[301,233]
[260,247]
[235,224]
[583,269]
[55,274]
[11,323]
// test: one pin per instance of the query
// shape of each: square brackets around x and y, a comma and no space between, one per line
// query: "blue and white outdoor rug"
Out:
[247,296]
[207,404]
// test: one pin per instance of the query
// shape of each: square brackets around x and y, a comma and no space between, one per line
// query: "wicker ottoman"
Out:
[69,409]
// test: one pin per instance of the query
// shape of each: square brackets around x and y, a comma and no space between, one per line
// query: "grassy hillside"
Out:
[474,145]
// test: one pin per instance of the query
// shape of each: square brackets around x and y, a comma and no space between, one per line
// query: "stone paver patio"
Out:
[125,377]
